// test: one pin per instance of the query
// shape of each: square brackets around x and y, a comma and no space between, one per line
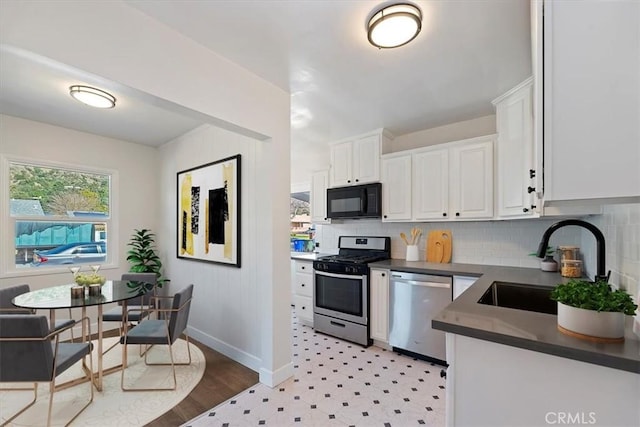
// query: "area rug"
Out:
[112,406]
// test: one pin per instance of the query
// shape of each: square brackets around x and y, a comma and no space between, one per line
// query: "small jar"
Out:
[571,268]
[569,252]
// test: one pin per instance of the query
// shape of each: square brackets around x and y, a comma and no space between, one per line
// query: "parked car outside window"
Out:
[72,253]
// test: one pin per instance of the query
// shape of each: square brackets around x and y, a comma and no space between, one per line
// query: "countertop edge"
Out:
[600,359]
[551,341]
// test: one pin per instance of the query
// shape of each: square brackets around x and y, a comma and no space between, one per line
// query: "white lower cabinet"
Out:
[303,291]
[491,384]
[379,305]
[461,284]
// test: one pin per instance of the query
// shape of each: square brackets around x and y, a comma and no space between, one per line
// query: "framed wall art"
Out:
[208,212]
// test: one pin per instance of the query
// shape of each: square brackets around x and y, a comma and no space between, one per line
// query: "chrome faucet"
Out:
[600,254]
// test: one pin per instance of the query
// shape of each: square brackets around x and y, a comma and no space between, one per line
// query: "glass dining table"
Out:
[59,297]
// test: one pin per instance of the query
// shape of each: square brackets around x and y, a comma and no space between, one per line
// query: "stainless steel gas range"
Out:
[341,287]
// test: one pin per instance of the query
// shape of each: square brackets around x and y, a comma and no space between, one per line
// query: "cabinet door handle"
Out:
[457,213]
[531,189]
[385,216]
[348,181]
[444,214]
[357,180]
[303,285]
[525,210]
[382,274]
[532,173]
[303,267]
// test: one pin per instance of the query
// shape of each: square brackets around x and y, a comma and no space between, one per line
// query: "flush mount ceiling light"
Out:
[394,25]
[92,96]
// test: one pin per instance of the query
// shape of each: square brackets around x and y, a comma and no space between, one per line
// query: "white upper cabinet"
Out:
[356,160]
[515,184]
[366,160]
[396,188]
[431,185]
[591,74]
[341,164]
[444,182]
[471,180]
[319,185]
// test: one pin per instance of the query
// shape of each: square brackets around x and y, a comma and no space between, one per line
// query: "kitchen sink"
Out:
[520,296]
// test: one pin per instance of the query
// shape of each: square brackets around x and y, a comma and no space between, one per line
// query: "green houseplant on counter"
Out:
[142,255]
[548,263]
[592,310]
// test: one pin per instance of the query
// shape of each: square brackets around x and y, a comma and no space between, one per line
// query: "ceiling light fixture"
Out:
[92,96]
[394,25]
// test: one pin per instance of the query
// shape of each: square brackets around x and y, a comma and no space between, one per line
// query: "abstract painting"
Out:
[208,213]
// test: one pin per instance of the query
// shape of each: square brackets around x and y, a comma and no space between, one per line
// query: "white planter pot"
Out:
[600,324]
[548,264]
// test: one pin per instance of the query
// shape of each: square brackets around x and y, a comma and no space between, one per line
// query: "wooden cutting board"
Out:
[439,245]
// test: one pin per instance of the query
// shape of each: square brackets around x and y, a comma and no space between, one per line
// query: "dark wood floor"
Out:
[223,378]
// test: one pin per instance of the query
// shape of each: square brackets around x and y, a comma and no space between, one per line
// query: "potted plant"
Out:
[592,310]
[142,255]
[548,263]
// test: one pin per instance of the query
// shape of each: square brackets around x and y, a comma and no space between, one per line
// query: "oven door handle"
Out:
[339,276]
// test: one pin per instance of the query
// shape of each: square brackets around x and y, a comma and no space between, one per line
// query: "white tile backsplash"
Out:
[509,243]
[506,243]
[620,225]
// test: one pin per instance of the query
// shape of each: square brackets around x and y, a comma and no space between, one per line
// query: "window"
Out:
[60,216]
[301,232]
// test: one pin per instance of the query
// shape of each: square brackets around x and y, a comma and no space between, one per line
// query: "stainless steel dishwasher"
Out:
[414,299]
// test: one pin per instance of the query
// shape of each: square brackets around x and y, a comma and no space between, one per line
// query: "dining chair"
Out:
[7,307]
[137,308]
[167,326]
[28,355]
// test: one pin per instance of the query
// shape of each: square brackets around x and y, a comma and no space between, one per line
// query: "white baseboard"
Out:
[240,356]
[273,378]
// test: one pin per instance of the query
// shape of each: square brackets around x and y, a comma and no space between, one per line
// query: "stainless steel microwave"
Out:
[358,201]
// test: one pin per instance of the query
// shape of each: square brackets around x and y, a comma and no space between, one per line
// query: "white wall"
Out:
[225,314]
[117,42]
[439,135]
[135,192]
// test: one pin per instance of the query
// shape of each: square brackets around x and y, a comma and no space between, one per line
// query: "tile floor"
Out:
[337,383]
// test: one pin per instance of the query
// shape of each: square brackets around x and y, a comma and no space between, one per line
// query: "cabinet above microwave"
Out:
[356,160]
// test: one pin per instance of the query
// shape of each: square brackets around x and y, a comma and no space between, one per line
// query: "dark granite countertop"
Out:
[518,328]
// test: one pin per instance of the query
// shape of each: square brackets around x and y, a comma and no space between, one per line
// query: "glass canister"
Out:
[569,252]
[571,268]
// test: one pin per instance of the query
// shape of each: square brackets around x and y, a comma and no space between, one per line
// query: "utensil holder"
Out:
[412,253]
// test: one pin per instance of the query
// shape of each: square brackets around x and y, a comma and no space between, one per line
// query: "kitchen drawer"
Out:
[303,284]
[304,267]
[304,308]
